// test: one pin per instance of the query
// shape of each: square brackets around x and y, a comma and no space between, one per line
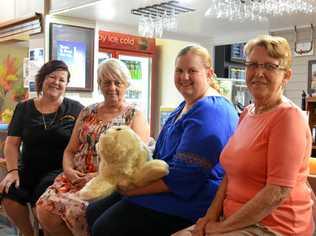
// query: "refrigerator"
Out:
[138,53]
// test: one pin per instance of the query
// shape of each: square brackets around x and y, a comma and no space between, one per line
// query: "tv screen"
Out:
[75,46]
[237,52]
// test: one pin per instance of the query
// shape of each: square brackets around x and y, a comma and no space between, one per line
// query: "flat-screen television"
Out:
[237,52]
[75,46]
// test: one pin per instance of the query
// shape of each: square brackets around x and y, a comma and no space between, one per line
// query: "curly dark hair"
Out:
[48,68]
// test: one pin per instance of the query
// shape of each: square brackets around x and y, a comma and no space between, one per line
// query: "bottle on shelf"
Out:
[303,104]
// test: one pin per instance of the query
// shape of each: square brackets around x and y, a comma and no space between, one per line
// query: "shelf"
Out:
[311,99]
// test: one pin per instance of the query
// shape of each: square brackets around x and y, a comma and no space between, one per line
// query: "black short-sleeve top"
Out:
[44,136]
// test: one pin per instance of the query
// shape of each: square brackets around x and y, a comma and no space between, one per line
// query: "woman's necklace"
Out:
[40,107]
[50,124]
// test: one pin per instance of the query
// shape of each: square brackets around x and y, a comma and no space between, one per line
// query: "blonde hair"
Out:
[277,48]
[114,68]
[206,58]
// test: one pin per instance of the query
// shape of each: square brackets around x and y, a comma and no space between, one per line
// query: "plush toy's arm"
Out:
[151,171]
[96,188]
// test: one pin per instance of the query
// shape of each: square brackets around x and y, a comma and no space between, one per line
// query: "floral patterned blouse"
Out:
[61,197]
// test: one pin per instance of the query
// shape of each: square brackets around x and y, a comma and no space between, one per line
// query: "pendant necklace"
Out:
[49,125]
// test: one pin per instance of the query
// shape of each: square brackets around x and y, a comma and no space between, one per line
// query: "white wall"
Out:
[167,51]
[119,28]
[58,5]
[13,9]
[299,81]
[7,10]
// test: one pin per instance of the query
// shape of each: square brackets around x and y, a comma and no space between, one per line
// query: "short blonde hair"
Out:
[206,58]
[277,48]
[114,68]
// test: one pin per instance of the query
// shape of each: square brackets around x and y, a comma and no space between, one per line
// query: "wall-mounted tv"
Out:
[75,46]
[237,52]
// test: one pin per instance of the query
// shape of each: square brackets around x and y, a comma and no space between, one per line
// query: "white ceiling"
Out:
[191,25]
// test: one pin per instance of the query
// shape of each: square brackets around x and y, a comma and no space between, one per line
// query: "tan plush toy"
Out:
[124,161]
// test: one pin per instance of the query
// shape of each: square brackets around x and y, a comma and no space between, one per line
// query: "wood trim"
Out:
[309,89]
[311,99]
[18,21]
[20,26]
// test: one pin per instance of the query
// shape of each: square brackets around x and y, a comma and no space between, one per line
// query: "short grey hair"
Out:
[115,68]
[277,48]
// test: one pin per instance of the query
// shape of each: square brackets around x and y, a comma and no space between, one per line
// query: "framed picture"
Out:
[74,45]
[312,77]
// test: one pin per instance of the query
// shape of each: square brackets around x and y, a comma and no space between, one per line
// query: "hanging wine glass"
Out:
[158,27]
[142,25]
[151,26]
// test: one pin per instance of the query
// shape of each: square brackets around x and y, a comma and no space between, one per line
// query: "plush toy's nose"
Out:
[118,129]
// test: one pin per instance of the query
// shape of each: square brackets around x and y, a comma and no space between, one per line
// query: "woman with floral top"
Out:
[59,209]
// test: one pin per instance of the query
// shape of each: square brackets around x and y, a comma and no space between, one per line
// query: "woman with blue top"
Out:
[190,142]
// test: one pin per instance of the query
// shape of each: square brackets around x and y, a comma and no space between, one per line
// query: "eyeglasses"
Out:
[108,83]
[267,66]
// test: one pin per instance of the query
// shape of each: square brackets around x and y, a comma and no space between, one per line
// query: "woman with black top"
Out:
[40,128]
